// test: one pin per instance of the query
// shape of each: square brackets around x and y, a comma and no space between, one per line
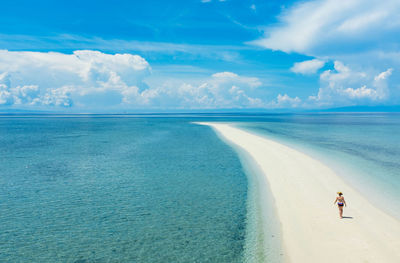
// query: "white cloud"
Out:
[229,77]
[94,80]
[308,66]
[5,78]
[384,75]
[88,65]
[363,35]
[19,95]
[253,7]
[25,94]
[360,93]
[380,84]
[285,101]
[220,90]
[6,98]
[344,86]
[29,95]
[320,27]
[57,97]
[39,78]
[225,75]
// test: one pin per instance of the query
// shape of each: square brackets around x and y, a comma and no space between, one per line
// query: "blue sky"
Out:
[184,55]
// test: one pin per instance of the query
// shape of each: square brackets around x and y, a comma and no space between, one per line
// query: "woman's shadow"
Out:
[347,217]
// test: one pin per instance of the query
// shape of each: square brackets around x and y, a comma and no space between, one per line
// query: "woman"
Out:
[340,201]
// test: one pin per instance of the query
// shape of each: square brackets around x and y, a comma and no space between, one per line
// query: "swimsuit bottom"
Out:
[340,204]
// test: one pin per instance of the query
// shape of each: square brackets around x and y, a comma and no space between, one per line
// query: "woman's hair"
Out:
[339,193]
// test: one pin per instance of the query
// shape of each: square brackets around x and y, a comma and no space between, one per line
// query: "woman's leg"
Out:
[341,211]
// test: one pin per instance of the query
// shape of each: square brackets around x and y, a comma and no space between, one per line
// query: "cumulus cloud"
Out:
[57,97]
[27,94]
[360,93]
[308,66]
[94,80]
[285,101]
[6,98]
[363,35]
[5,95]
[343,86]
[219,91]
[52,79]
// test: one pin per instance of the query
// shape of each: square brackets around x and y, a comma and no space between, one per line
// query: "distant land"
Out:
[360,109]
[363,109]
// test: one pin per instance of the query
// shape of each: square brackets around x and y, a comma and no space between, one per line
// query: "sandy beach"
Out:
[304,190]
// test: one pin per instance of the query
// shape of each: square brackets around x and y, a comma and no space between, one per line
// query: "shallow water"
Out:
[118,190]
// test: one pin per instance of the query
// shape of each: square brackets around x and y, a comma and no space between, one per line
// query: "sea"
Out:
[161,188]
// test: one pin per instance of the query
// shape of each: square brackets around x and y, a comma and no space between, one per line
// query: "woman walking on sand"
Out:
[340,201]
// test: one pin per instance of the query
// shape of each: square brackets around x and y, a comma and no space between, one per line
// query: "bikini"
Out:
[340,204]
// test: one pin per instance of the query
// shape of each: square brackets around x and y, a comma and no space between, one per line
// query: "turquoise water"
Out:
[119,190]
[161,189]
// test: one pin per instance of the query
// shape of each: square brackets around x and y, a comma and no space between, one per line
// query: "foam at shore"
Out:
[304,190]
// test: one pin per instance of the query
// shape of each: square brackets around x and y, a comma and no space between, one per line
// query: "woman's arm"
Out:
[344,202]
[335,201]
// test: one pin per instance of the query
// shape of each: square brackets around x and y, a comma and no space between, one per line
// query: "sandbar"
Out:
[304,191]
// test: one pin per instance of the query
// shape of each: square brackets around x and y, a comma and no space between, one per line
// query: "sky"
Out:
[127,56]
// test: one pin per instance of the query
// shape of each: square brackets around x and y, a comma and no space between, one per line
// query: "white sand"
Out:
[304,190]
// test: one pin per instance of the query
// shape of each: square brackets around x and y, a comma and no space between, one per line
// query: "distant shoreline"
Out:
[192,114]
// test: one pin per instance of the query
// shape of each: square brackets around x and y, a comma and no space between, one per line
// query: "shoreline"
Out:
[263,237]
[304,191]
